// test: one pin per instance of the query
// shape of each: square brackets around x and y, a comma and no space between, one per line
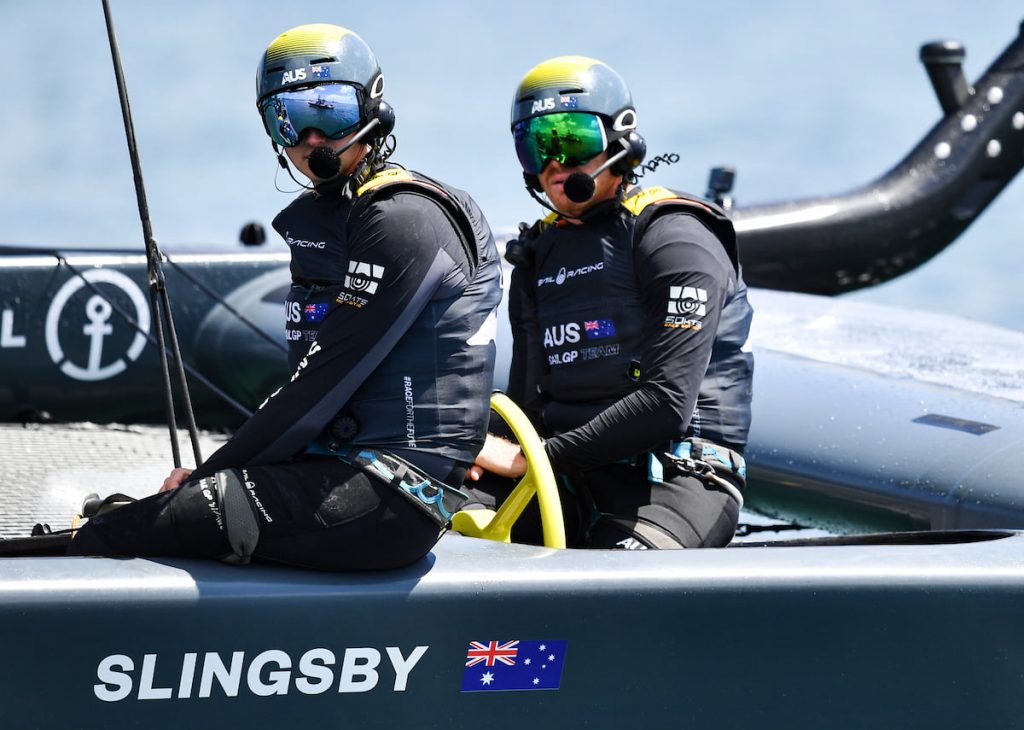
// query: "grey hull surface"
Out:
[880,418]
[838,636]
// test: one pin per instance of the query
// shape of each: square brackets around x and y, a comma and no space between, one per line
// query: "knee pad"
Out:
[240,523]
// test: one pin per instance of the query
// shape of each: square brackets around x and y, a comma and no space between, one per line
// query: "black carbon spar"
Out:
[835,244]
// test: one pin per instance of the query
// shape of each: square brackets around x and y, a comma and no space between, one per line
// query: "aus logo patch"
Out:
[542,105]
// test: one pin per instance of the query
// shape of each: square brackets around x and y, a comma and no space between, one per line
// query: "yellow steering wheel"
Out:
[538,479]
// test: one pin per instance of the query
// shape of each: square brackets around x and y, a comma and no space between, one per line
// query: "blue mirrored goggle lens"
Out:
[572,138]
[334,109]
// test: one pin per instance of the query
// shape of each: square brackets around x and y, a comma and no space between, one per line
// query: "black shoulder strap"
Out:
[395,179]
[520,251]
[651,203]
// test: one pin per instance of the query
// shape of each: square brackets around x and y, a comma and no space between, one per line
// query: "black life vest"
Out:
[452,376]
[591,316]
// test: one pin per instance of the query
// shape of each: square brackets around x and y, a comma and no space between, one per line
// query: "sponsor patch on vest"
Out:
[564,274]
[563,358]
[561,334]
[362,279]
[303,243]
[594,353]
[685,305]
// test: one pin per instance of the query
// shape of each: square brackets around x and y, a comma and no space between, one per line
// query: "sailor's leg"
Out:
[325,514]
[317,513]
[681,512]
[182,523]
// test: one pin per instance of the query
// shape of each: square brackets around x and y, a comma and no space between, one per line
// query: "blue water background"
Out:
[803,98]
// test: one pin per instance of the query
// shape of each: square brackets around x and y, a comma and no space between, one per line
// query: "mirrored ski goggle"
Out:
[334,109]
[572,138]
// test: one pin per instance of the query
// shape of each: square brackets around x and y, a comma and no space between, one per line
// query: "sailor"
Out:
[629,318]
[390,323]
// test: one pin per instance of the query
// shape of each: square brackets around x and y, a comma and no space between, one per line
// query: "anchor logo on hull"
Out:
[98,328]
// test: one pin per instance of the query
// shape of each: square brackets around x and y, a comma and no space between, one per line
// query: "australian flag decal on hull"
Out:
[513,665]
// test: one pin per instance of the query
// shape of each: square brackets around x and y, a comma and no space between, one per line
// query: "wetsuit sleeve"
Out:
[401,254]
[684,277]
[528,366]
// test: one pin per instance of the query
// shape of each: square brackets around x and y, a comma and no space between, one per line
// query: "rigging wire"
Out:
[159,299]
[133,323]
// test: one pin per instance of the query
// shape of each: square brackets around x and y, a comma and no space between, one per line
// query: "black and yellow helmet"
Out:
[571,109]
[576,84]
[306,60]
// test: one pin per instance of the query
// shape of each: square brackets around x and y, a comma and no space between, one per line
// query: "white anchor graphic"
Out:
[98,311]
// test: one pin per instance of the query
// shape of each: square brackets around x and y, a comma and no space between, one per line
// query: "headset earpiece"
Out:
[386,119]
[637,150]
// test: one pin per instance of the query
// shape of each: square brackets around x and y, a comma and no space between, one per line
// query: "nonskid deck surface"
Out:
[47,470]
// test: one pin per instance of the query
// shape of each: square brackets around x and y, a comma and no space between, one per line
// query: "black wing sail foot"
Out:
[831,245]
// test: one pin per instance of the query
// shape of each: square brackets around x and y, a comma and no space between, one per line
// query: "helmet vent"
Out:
[327,59]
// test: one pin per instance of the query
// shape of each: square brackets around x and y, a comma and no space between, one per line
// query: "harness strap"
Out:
[438,500]
[704,460]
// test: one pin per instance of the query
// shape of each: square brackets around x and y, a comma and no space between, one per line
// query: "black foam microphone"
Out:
[324,162]
[579,187]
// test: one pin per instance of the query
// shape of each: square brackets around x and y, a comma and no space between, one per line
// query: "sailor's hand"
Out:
[175,479]
[500,457]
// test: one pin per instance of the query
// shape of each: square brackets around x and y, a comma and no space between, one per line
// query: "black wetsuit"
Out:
[390,322]
[625,341]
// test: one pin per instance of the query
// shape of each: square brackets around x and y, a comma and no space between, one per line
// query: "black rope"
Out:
[158,290]
[217,298]
[217,391]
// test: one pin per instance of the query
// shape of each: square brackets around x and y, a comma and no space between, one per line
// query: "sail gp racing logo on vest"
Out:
[303,243]
[201,675]
[362,280]
[564,274]
[685,304]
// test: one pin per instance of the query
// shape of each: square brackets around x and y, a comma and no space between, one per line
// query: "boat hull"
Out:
[914,635]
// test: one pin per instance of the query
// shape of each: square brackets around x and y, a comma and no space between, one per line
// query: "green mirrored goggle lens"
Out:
[572,138]
[334,109]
